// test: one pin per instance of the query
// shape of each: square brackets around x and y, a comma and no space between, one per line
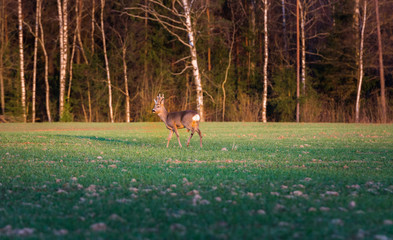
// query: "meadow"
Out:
[249,181]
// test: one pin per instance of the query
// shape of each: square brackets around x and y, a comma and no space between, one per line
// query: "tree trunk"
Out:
[145,66]
[72,53]
[303,37]
[360,81]
[21,61]
[209,64]
[297,63]
[108,75]
[381,70]
[3,43]
[228,67]
[93,7]
[284,28]
[356,16]
[78,12]
[194,60]
[265,63]
[126,84]
[35,62]
[63,29]
[251,63]
[89,101]
[42,41]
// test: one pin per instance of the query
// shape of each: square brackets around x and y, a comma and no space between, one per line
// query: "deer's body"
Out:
[188,119]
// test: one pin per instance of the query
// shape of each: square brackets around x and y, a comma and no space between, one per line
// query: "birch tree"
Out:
[232,41]
[303,47]
[63,41]
[266,58]
[360,69]
[381,70]
[124,44]
[108,75]
[297,63]
[21,61]
[35,62]
[178,20]
[284,27]
[2,47]
[93,7]
[42,41]
[77,38]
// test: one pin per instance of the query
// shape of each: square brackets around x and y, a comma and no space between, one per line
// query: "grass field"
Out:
[249,181]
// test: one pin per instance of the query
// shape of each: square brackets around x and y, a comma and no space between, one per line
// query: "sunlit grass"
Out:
[249,181]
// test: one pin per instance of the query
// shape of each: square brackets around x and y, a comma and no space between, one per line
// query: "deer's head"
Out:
[159,104]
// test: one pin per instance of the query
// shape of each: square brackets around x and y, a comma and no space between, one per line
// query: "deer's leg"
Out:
[200,136]
[177,135]
[192,133]
[169,137]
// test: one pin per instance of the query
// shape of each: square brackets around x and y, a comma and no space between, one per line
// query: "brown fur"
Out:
[177,120]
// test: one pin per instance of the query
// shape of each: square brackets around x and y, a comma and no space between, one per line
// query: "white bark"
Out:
[227,70]
[42,41]
[297,63]
[126,84]
[63,32]
[303,38]
[35,62]
[78,12]
[194,59]
[3,43]
[381,65]
[108,75]
[360,81]
[21,61]
[93,2]
[265,63]
[71,65]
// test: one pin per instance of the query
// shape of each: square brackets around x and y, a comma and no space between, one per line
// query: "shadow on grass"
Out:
[136,142]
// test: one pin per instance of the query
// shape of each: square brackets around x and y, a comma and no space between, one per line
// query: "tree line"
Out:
[232,60]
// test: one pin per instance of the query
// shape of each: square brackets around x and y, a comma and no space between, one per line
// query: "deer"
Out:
[188,119]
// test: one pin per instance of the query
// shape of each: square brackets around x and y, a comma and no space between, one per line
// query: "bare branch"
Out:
[182,71]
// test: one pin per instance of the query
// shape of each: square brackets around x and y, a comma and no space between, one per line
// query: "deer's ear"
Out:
[162,100]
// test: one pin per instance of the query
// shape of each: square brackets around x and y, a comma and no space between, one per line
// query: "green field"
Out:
[249,181]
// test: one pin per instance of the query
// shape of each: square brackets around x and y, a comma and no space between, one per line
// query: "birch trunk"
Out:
[78,12]
[71,65]
[3,43]
[209,64]
[63,31]
[303,37]
[126,85]
[265,63]
[194,59]
[35,62]
[73,50]
[360,81]
[381,70]
[284,28]
[93,2]
[356,16]
[227,70]
[251,64]
[297,63]
[42,41]
[21,61]
[106,63]
[89,101]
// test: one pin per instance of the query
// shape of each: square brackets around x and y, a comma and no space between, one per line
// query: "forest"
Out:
[231,60]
